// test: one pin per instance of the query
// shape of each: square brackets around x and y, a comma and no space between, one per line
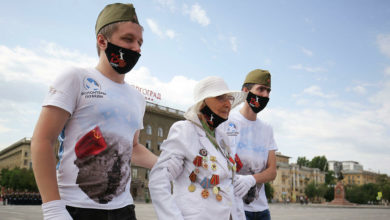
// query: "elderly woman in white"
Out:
[197,158]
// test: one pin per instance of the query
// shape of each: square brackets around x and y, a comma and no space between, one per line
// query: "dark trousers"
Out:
[125,213]
[263,215]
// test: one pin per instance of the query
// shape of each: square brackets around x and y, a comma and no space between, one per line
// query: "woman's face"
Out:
[220,105]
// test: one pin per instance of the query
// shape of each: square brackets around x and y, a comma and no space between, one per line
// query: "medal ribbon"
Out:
[211,136]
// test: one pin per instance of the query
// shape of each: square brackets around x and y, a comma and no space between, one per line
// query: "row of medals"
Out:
[202,161]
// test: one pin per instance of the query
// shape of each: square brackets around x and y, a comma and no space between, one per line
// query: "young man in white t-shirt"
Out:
[254,143]
[97,117]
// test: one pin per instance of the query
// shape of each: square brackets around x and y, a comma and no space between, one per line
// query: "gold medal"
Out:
[215,190]
[191,188]
[213,158]
[205,194]
[218,197]
[214,166]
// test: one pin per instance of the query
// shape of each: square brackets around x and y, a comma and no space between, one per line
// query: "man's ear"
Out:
[101,42]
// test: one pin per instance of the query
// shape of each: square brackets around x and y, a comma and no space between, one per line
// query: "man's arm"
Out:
[269,173]
[49,125]
[141,155]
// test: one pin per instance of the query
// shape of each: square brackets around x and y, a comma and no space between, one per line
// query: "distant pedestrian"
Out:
[4,197]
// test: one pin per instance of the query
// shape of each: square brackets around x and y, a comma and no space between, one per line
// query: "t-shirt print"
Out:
[103,171]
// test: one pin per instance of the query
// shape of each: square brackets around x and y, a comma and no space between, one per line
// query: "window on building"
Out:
[25,162]
[134,173]
[158,146]
[148,130]
[26,154]
[160,132]
[148,144]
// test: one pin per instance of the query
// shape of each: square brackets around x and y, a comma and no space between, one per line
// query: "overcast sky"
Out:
[329,60]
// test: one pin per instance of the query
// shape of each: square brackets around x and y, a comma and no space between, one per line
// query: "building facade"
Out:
[352,177]
[16,155]
[292,179]
[353,172]
[157,122]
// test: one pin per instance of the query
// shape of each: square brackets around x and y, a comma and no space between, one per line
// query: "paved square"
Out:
[278,212]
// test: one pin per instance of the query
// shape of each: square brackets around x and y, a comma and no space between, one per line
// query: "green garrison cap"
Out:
[259,76]
[114,13]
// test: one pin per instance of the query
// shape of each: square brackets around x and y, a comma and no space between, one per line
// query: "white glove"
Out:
[242,184]
[55,210]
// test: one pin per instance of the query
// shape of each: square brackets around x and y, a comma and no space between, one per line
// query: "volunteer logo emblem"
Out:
[92,89]
[232,130]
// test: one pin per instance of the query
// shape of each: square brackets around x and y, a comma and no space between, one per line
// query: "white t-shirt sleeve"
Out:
[63,92]
[272,144]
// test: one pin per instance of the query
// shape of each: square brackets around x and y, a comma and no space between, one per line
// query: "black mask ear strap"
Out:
[213,120]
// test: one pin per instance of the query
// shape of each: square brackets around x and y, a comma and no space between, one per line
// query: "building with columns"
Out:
[16,155]
[292,179]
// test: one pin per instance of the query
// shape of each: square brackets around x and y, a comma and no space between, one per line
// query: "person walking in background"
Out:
[197,158]
[253,141]
[98,117]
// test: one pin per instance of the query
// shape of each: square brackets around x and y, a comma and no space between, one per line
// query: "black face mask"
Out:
[212,119]
[257,103]
[121,59]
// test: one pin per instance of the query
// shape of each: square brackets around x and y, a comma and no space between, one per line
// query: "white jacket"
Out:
[175,163]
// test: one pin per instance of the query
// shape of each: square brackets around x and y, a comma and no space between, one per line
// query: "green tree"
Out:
[321,190]
[329,194]
[371,191]
[382,180]
[269,191]
[18,179]
[384,186]
[385,189]
[354,194]
[15,179]
[362,194]
[311,190]
[303,162]
[319,162]
[329,178]
[4,178]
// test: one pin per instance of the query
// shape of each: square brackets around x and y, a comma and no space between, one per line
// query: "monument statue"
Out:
[339,193]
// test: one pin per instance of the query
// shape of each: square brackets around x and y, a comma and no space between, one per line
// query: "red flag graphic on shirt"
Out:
[239,163]
[91,144]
